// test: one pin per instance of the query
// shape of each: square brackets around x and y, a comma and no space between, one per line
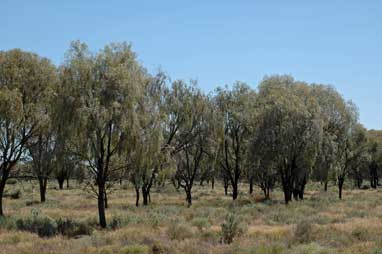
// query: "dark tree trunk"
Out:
[267,193]
[67,182]
[213,183]
[326,186]
[145,194]
[2,187]
[42,184]
[189,197]
[251,185]
[106,201]
[234,191]
[101,205]
[340,186]
[60,183]
[136,196]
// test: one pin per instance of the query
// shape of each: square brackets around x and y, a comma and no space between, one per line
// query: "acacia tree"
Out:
[375,151]
[106,88]
[148,158]
[234,106]
[41,150]
[25,79]
[287,131]
[189,159]
[345,129]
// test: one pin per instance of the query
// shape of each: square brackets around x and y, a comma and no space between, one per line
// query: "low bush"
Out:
[231,228]
[71,228]
[201,223]
[303,232]
[42,225]
[135,249]
[12,181]
[15,194]
[178,232]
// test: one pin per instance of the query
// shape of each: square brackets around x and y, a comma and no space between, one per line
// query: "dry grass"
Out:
[352,225]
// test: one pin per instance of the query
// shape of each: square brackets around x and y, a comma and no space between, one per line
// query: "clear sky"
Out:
[217,42]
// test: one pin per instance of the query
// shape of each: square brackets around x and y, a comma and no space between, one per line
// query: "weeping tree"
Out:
[189,159]
[345,143]
[288,131]
[234,106]
[182,118]
[375,151]
[148,158]
[25,80]
[106,88]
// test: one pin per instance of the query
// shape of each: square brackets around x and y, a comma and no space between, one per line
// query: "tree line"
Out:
[101,118]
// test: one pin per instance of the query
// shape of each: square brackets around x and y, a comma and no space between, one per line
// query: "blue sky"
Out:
[218,42]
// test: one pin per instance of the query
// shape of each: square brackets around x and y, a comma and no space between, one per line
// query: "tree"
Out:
[106,87]
[189,159]
[287,132]
[346,141]
[234,107]
[375,151]
[148,157]
[25,79]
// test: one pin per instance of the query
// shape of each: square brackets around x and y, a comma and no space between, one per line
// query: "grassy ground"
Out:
[319,224]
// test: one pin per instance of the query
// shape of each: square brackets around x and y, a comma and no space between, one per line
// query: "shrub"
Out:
[303,232]
[44,226]
[15,194]
[201,223]
[7,223]
[11,181]
[31,202]
[135,249]
[178,232]
[115,223]
[231,228]
[71,228]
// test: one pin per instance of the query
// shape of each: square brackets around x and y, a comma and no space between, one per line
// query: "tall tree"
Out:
[25,79]
[234,107]
[107,87]
[148,157]
[287,131]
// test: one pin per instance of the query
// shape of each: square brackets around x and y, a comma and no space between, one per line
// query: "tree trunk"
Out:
[106,201]
[234,191]
[340,186]
[251,185]
[326,186]
[136,196]
[145,194]
[60,183]
[42,184]
[2,186]
[213,183]
[189,197]
[67,182]
[101,205]
[267,193]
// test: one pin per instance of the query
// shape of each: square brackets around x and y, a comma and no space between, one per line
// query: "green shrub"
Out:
[135,249]
[178,232]
[231,228]
[71,228]
[12,181]
[7,223]
[115,223]
[303,232]
[15,194]
[44,226]
[201,223]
